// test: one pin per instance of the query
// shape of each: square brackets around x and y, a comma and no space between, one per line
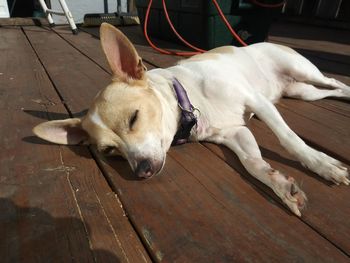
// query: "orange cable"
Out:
[228,24]
[176,33]
[163,51]
[198,50]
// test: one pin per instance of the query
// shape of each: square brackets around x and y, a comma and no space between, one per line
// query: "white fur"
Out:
[227,86]
[149,149]
[95,118]
[233,85]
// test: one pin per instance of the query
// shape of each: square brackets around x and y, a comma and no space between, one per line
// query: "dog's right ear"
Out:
[67,132]
[122,56]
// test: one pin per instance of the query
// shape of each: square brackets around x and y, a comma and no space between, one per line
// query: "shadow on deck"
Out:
[62,204]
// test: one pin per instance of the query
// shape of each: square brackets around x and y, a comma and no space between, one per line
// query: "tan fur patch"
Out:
[204,56]
[115,106]
[223,50]
[212,54]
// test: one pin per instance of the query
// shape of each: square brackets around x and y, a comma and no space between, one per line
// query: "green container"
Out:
[199,23]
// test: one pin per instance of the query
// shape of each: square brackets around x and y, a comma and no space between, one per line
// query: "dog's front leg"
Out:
[318,162]
[242,142]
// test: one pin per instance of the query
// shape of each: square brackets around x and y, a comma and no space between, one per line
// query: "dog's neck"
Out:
[161,83]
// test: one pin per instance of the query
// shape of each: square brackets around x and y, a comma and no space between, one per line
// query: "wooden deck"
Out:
[70,204]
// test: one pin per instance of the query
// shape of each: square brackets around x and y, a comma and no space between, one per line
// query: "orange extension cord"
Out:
[197,50]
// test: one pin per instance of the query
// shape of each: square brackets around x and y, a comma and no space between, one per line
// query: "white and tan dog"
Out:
[137,115]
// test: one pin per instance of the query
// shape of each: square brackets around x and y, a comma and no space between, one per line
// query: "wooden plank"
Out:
[87,44]
[205,203]
[23,21]
[326,129]
[42,194]
[111,235]
[29,219]
[312,21]
[326,209]
[328,51]
[196,210]
[335,41]
[338,106]
[39,36]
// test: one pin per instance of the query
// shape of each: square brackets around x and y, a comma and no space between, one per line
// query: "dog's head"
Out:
[125,117]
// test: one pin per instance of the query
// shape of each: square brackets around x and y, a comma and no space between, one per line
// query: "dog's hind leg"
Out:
[302,70]
[309,92]
[320,163]
[241,141]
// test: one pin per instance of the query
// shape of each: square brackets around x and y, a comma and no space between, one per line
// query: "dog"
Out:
[208,97]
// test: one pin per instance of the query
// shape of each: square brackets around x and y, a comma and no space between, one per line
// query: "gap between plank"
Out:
[278,201]
[97,160]
[315,145]
[60,150]
[92,153]
[256,185]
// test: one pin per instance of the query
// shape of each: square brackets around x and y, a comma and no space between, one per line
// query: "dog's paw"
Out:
[332,170]
[337,173]
[287,189]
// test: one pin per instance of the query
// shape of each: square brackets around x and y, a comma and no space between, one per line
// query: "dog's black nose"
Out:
[144,169]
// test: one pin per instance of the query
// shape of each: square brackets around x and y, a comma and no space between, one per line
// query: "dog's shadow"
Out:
[115,163]
[44,115]
[29,227]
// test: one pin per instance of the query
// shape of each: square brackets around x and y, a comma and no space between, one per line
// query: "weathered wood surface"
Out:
[23,21]
[186,191]
[55,204]
[203,207]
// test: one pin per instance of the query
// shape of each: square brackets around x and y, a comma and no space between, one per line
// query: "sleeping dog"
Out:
[208,97]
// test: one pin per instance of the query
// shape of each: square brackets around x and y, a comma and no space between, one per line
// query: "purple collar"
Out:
[187,119]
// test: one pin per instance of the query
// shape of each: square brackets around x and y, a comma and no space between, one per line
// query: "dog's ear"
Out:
[122,56]
[67,131]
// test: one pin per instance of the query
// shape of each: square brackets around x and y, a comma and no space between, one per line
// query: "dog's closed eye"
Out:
[109,150]
[133,119]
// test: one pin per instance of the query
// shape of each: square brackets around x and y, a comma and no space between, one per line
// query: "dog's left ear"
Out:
[68,131]
[122,56]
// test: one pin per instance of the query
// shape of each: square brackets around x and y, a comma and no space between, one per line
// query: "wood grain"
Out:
[50,198]
[198,202]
